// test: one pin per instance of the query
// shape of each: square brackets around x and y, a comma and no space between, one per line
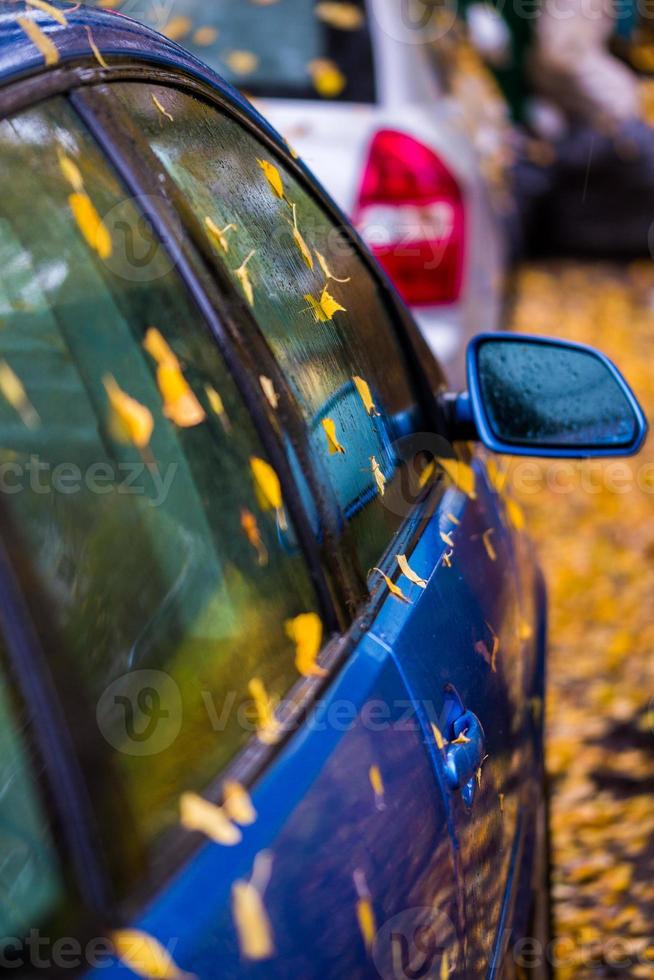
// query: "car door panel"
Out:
[330,831]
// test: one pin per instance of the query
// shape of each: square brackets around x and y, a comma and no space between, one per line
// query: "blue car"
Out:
[272,636]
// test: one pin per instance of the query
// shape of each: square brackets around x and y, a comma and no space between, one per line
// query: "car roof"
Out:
[115,36]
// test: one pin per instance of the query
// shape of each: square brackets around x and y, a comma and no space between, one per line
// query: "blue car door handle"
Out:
[463,758]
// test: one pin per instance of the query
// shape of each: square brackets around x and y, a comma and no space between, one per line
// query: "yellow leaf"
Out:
[445,966]
[160,108]
[497,477]
[71,171]
[447,559]
[252,533]
[205,36]
[315,308]
[180,404]
[97,54]
[306,632]
[328,304]
[377,783]
[177,28]
[90,224]
[461,474]
[501,801]
[11,387]
[407,571]
[328,79]
[145,956]
[241,62]
[515,514]
[266,484]
[454,520]
[446,538]
[243,277]
[438,736]
[273,177]
[488,544]
[39,40]
[218,407]
[253,927]
[364,910]
[332,439]
[461,739]
[219,235]
[365,395]
[322,262]
[300,242]
[237,803]
[200,815]
[130,422]
[392,587]
[427,474]
[380,479]
[268,389]
[343,16]
[48,9]
[268,726]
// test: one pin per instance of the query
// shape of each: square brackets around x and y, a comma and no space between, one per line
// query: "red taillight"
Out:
[410,213]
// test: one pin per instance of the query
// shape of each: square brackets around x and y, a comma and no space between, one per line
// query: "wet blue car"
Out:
[272,636]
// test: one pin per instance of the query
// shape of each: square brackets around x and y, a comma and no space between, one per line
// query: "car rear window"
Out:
[293,49]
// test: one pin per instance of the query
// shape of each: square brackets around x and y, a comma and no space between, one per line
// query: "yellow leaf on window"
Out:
[237,803]
[454,520]
[322,262]
[488,544]
[328,79]
[218,407]
[268,726]
[302,247]
[500,797]
[315,308]
[243,277]
[438,736]
[145,956]
[328,304]
[273,177]
[130,422]
[343,16]
[515,514]
[48,9]
[160,108]
[377,783]
[90,224]
[71,171]
[253,927]
[97,54]
[177,28]
[305,631]
[447,559]
[461,739]
[40,40]
[394,589]
[205,36]
[180,404]
[461,474]
[380,479]
[332,439]
[268,389]
[446,538]
[445,966]
[408,572]
[365,395]
[364,910]
[266,484]
[497,476]
[253,534]
[219,235]
[12,389]
[200,815]
[427,474]
[241,62]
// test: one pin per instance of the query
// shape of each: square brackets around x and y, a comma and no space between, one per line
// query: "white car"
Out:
[354,88]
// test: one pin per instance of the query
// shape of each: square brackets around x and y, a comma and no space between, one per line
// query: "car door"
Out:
[460,636]
[194,656]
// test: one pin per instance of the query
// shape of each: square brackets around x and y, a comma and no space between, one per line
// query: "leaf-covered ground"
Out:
[594,528]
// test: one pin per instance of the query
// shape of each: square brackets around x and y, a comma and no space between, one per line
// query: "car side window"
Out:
[314,301]
[156,550]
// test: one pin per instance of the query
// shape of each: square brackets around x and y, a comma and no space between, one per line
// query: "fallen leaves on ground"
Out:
[596,543]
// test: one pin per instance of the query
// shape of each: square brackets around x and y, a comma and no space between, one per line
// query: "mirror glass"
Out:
[549,394]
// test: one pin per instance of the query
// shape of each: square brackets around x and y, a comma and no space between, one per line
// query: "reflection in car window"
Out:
[297,49]
[153,523]
[316,304]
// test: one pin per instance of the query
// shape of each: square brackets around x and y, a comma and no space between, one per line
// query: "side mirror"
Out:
[535,396]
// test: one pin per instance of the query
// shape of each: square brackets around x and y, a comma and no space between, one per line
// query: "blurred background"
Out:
[498,158]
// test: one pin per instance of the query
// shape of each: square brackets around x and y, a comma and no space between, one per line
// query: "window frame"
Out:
[84,85]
